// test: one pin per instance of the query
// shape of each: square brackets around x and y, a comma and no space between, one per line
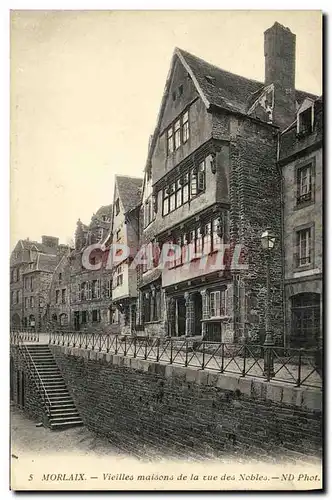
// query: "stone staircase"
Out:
[63,411]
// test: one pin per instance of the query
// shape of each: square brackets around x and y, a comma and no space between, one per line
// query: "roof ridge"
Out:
[184,52]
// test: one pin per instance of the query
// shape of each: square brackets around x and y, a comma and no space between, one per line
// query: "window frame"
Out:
[298,267]
[298,202]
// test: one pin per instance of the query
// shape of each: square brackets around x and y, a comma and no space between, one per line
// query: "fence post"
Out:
[108,343]
[298,382]
[186,361]
[222,357]
[135,343]
[244,359]
[125,346]
[146,348]
[203,357]
[268,360]
[158,342]
[171,358]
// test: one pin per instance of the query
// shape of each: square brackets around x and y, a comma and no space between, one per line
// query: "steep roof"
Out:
[222,88]
[104,210]
[129,189]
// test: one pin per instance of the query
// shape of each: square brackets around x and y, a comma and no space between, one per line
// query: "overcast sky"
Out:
[85,93]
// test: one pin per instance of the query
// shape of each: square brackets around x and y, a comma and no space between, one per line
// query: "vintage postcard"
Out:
[166,312]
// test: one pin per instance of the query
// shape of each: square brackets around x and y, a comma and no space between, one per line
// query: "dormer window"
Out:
[305,120]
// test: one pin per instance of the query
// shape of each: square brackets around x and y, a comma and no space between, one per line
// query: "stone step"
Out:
[65,425]
[63,406]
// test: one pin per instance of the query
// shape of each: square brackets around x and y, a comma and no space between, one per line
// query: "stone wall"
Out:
[143,404]
[30,401]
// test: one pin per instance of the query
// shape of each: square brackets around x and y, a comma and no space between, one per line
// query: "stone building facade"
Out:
[301,164]
[213,186]
[90,297]
[125,231]
[32,265]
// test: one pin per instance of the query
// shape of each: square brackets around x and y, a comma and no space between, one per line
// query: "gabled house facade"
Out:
[91,281]
[214,185]
[301,164]
[125,233]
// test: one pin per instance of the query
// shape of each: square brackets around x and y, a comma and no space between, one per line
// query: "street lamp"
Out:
[268,240]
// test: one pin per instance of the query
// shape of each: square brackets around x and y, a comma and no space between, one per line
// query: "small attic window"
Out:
[305,121]
[180,90]
[210,79]
[174,95]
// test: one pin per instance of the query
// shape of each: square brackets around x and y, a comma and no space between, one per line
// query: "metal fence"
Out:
[299,367]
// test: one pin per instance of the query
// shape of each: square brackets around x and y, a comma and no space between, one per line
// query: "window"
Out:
[180,90]
[108,288]
[119,280]
[63,319]
[11,275]
[170,146]
[117,207]
[185,127]
[88,290]
[218,303]
[178,193]
[148,211]
[304,184]
[60,277]
[177,134]
[96,289]
[165,202]
[305,121]
[95,315]
[303,243]
[26,302]
[115,317]
[198,179]
[84,317]
[83,291]
[172,197]
[217,233]
[26,281]
[57,296]
[17,297]
[207,239]
[31,283]
[12,297]
[63,296]
[32,302]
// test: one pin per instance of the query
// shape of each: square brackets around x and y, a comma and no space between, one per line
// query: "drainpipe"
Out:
[279,168]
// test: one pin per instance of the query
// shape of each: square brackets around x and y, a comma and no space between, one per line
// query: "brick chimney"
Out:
[280,55]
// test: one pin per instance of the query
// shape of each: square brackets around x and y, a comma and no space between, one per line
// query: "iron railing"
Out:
[300,367]
[21,335]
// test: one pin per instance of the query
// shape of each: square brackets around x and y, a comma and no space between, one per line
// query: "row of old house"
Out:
[229,158]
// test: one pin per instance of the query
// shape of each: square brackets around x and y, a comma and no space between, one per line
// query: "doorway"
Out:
[76,320]
[180,316]
[198,308]
[305,320]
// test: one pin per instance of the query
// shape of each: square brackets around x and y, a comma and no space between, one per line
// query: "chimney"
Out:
[279,51]
[50,241]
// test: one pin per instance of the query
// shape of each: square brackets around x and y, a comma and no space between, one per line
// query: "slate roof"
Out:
[224,89]
[129,189]
[47,262]
[105,210]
